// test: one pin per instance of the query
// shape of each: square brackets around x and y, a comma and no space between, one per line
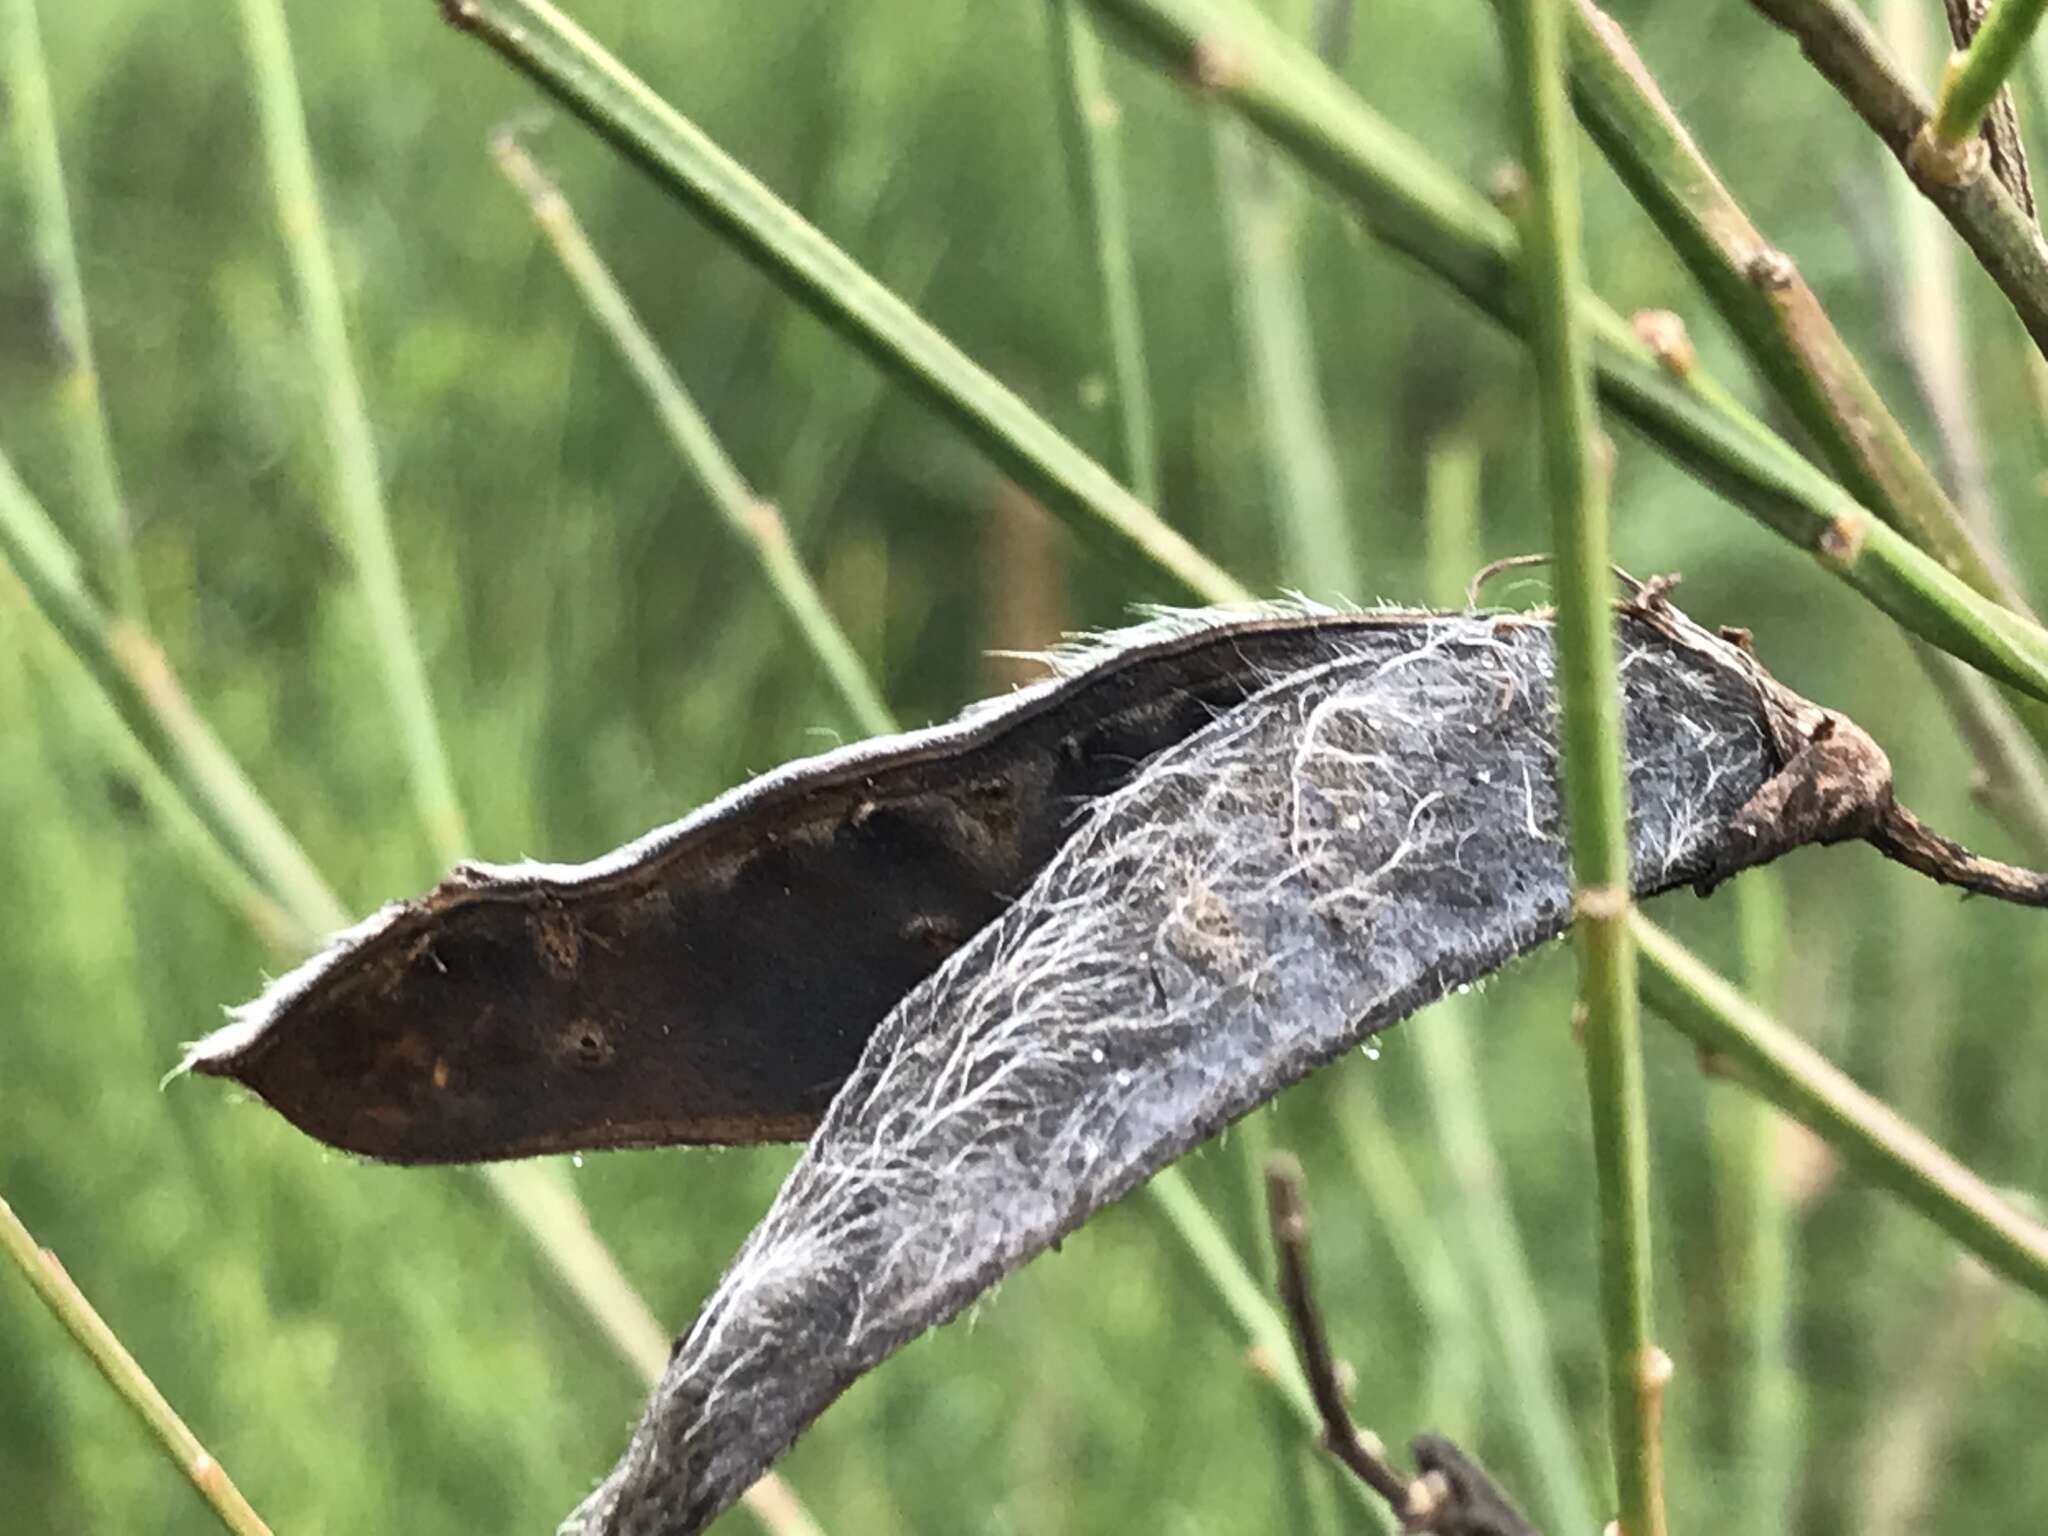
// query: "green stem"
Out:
[756,522]
[1259,205]
[1756,1239]
[79,402]
[361,522]
[138,682]
[91,713]
[1093,125]
[1594,771]
[565,61]
[1419,209]
[1977,74]
[1794,1076]
[68,1305]
[1841,43]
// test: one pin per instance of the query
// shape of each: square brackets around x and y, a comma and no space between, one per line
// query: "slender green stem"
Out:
[1092,122]
[1841,43]
[1260,205]
[756,522]
[361,521]
[1786,1070]
[1977,74]
[136,679]
[813,470]
[68,1305]
[1755,1236]
[91,713]
[562,59]
[83,411]
[1419,209]
[1594,771]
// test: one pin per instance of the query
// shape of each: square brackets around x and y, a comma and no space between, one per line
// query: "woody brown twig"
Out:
[1841,43]
[1450,1493]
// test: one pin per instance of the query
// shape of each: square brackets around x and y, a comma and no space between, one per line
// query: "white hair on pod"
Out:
[1349,844]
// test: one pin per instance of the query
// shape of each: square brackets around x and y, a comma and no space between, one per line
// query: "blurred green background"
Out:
[370,1349]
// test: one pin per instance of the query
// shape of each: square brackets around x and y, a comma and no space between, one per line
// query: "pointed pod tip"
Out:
[219,1053]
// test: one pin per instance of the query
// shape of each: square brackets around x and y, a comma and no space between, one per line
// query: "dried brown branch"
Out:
[1451,1493]
[1902,836]
[1845,48]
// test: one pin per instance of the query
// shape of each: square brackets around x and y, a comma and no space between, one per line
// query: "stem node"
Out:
[1946,162]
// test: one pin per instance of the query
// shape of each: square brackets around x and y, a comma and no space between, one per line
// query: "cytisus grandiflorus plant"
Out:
[998,970]
[1002,970]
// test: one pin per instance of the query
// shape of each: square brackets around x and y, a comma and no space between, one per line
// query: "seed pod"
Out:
[1352,842]
[715,980]
[1029,958]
